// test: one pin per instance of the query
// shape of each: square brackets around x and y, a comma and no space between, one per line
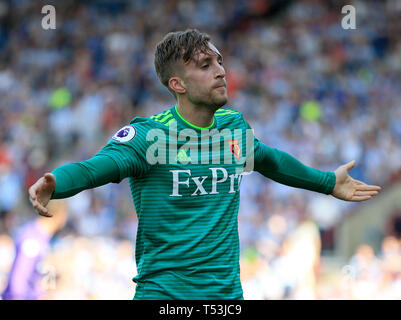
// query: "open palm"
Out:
[41,192]
[349,189]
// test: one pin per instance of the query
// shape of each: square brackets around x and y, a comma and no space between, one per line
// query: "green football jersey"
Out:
[187,200]
[185,184]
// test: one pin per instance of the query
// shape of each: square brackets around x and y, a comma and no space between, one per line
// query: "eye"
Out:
[205,66]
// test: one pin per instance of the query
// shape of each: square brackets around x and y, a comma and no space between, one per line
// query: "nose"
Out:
[220,71]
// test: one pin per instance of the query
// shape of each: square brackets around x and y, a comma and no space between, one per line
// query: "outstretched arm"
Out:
[123,156]
[70,179]
[285,169]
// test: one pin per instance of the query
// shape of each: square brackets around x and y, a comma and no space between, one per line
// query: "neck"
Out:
[197,115]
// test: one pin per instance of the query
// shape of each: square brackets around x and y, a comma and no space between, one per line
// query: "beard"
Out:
[211,99]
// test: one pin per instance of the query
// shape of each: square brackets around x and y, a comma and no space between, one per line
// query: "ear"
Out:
[177,84]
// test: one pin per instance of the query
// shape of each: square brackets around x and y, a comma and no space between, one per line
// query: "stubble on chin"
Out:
[220,101]
[213,101]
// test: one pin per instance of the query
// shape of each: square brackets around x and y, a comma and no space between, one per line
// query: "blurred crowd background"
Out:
[308,87]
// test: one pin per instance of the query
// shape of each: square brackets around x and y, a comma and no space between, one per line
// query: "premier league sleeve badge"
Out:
[125,134]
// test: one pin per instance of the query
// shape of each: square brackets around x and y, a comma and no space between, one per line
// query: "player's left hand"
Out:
[349,189]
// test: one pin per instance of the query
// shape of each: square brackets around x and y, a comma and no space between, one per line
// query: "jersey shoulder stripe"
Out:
[227,117]
[165,118]
[144,124]
[138,120]
[160,115]
[226,111]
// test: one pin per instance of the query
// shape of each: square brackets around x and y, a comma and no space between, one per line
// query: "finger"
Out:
[366,193]
[368,188]
[41,209]
[32,191]
[350,165]
[32,194]
[360,183]
[33,201]
[47,215]
[360,198]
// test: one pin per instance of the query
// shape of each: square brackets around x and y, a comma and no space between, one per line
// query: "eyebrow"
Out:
[208,58]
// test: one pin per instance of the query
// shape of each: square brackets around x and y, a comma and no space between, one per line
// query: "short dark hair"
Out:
[175,46]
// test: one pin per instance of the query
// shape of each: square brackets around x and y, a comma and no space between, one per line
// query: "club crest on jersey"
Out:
[125,134]
[235,148]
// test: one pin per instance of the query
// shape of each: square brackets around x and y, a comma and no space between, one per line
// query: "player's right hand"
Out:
[40,193]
